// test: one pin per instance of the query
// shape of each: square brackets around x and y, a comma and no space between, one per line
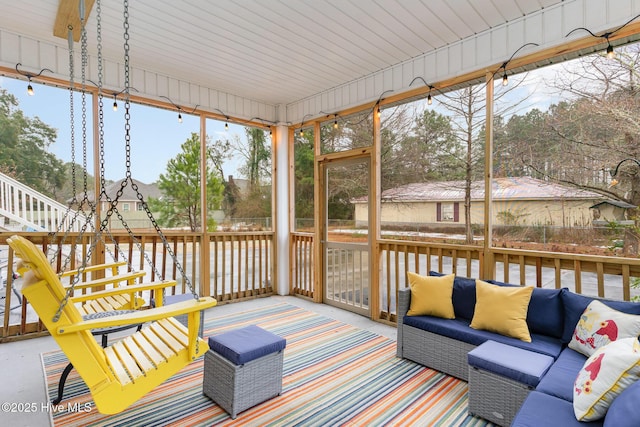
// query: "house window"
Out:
[125,207]
[139,206]
[448,212]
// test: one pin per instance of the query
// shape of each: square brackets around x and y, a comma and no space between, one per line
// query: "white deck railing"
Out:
[23,208]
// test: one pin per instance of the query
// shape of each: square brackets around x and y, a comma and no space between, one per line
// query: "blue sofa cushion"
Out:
[559,380]
[460,330]
[575,304]
[464,295]
[541,409]
[624,412]
[546,311]
[243,345]
[526,367]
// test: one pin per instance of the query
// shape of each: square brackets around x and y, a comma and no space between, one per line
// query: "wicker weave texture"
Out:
[436,351]
[404,299]
[494,397]
[239,387]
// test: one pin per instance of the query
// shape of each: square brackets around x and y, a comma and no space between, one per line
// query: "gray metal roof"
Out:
[617,203]
[522,188]
[128,194]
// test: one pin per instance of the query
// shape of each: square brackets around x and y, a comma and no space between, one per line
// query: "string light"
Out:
[179,108]
[609,52]
[431,87]
[335,121]
[505,79]
[29,76]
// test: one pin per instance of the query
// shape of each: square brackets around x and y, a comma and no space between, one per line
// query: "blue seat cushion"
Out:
[460,330]
[559,380]
[246,344]
[541,409]
[575,304]
[526,367]
[464,295]
[623,412]
[546,310]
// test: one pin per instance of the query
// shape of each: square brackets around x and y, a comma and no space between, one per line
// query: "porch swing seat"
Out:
[127,294]
[121,373]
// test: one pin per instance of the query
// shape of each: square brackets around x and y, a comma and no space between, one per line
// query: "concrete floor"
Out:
[22,387]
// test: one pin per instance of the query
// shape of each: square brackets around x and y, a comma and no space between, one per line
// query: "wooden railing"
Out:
[301,277]
[240,265]
[604,276]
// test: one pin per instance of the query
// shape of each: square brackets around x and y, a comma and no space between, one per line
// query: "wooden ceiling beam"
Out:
[69,15]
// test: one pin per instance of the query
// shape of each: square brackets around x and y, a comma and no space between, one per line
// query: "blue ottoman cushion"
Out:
[246,344]
[524,366]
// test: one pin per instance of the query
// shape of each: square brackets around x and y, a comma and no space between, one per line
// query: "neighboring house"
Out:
[128,203]
[516,201]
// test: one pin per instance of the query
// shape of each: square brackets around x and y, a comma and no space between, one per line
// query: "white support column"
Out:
[281,220]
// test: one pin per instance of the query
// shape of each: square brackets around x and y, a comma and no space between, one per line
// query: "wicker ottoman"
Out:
[243,368]
[500,378]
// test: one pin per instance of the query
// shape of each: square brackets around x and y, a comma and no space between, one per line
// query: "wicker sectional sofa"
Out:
[443,344]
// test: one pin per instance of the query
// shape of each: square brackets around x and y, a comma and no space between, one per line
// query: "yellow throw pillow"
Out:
[502,309]
[431,295]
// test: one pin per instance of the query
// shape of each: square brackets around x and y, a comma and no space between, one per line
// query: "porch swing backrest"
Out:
[120,374]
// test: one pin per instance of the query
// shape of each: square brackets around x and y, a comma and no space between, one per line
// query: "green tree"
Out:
[304,180]
[23,148]
[257,158]
[180,186]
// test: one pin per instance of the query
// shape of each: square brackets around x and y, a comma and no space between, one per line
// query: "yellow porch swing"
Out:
[121,373]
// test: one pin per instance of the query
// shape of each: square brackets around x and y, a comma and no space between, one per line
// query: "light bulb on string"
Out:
[610,53]
[30,89]
[115,103]
[179,118]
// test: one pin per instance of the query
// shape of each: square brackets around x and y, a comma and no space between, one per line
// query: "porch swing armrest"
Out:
[98,267]
[141,316]
[111,280]
[124,290]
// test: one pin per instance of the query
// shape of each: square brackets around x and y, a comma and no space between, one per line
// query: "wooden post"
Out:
[319,213]
[374,219]
[205,255]
[489,262]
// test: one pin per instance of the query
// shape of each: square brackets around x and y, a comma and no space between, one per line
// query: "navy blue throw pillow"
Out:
[464,296]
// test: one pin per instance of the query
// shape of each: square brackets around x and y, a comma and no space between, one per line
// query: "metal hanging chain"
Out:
[128,177]
[98,197]
[74,200]
[76,278]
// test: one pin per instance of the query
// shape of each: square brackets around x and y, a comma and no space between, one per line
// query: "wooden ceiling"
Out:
[271,51]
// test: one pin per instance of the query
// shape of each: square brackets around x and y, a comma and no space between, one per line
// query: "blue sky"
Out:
[155,133]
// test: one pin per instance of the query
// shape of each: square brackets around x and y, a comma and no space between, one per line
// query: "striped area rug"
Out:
[334,375]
